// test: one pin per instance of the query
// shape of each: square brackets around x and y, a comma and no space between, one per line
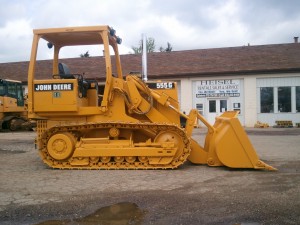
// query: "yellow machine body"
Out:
[130,124]
[13,111]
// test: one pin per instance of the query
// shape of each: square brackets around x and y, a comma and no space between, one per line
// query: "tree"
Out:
[168,49]
[85,55]
[150,42]
[137,50]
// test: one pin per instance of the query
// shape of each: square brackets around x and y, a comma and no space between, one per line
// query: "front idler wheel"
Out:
[61,146]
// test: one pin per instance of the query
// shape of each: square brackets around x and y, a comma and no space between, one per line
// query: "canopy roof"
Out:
[70,36]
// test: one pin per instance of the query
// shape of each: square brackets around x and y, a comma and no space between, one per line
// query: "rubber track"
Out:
[75,129]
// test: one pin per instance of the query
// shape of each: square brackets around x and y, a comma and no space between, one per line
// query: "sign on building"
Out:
[217,88]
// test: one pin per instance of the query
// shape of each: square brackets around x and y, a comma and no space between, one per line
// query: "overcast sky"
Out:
[186,24]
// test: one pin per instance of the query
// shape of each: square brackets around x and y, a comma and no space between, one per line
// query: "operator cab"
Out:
[12,89]
[83,84]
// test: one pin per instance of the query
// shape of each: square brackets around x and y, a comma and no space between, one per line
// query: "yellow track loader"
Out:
[129,124]
[13,111]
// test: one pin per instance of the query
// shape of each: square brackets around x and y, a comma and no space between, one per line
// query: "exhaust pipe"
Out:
[144,57]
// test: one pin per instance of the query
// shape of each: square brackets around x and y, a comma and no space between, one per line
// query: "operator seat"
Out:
[64,71]
[83,85]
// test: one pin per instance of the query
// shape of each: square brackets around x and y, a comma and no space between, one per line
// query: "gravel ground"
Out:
[32,193]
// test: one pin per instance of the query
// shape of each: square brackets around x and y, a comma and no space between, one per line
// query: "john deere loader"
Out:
[13,110]
[129,124]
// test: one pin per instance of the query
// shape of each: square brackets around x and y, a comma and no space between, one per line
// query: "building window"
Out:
[199,107]
[284,99]
[298,99]
[223,105]
[212,106]
[266,100]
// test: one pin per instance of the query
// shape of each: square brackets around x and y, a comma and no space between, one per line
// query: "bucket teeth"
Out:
[264,166]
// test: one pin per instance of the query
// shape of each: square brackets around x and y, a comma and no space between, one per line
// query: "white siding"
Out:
[179,91]
[186,95]
[278,82]
[275,82]
[250,101]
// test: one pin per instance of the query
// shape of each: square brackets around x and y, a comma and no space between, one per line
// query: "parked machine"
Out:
[131,124]
[13,111]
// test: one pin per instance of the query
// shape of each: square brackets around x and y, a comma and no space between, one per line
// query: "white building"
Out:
[260,97]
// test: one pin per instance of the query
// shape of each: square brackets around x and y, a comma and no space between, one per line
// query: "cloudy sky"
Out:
[186,24]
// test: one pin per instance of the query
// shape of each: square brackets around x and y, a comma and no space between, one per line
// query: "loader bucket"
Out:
[227,144]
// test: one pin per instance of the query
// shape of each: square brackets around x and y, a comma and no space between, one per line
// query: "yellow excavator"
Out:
[13,110]
[128,124]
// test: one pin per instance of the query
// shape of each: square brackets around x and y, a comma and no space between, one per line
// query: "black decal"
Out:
[161,85]
[54,87]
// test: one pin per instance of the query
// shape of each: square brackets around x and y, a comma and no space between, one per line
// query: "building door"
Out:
[215,108]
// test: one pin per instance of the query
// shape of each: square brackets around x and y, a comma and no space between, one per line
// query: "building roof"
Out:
[279,58]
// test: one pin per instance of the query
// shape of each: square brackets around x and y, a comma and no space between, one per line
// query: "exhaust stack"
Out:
[144,57]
